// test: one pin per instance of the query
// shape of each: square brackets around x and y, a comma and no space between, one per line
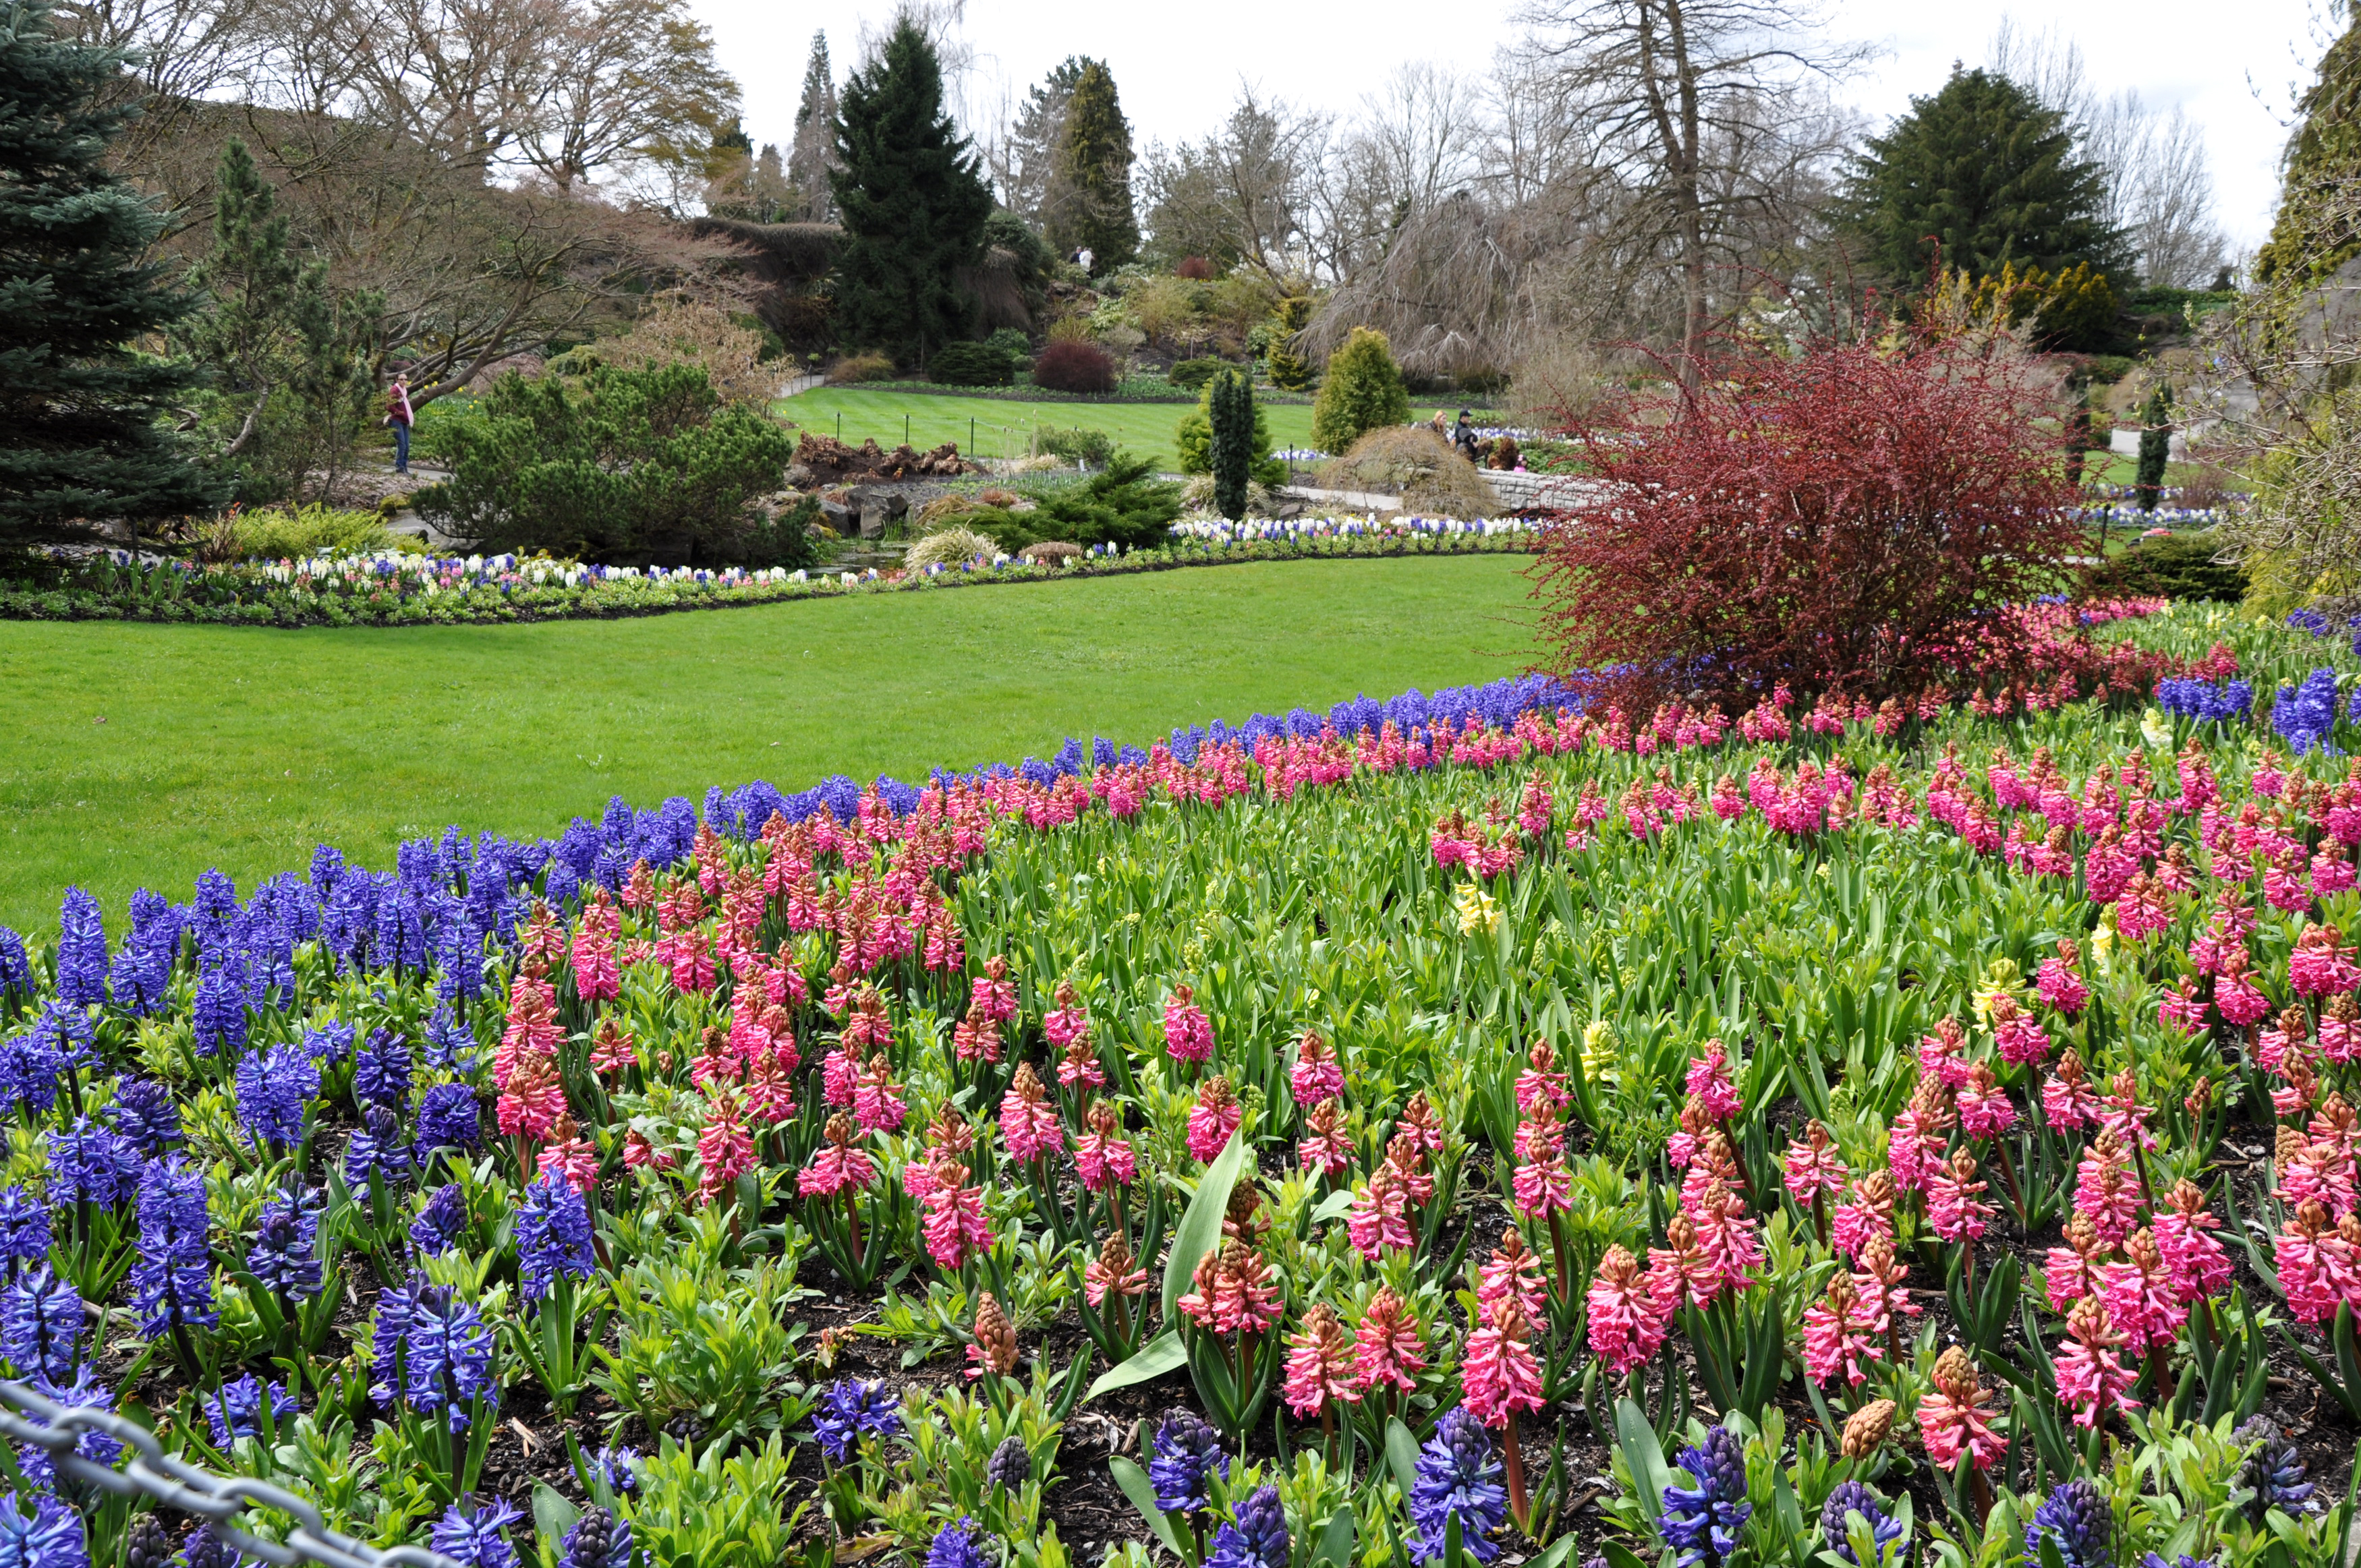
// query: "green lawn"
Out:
[141,754]
[1003,427]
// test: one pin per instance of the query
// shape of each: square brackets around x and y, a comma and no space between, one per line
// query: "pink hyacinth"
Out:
[2106,1190]
[1187,1033]
[724,1148]
[575,1159]
[2139,1298]
[2184,1236]
[1028,1123]
[1952,1208]
[1867,1216]
[1498,1373]
[1319,1365]
[1390,1351]
[1542,1091]
[2236,995]
[1212,1119]
[1985,1109]
[2091,1381]
[877,1103]
[839,1070]
[2021,1039]
[1726,1236]
[1625,1320]
[1951,1419]
[2074,1270]
[833,1169]
[1543,1186]
[954,1227]
[2321,962]
[1066,1020]
[1709,1079]
[993,991]
[1812,1166]
[1380,1217]
[1327,1143]
[1680,1272]
[1512,1271]
[2316,1265]
[1839,1335]
[2059,985]
[2066,1098]
[1102,1158]
[1317,1076]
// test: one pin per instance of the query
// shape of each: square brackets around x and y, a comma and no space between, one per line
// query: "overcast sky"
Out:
[2232,67]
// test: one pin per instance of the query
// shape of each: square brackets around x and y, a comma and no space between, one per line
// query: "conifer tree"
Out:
[912,200]
[1983,170]
[1362,390]
[1027,163]
[813,153]
[1230,409]
[2155,446]
[80,437]
[1092,210]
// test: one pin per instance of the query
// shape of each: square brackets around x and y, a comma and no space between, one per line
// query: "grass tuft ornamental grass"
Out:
[141,754]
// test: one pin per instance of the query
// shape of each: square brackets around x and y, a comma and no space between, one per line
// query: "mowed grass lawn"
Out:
[140,754]
[1003,427]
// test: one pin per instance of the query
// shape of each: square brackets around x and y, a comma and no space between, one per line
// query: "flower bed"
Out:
[1451,1128]
[393,590]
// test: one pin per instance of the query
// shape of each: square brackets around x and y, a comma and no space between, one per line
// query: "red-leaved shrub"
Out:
[1850,520]
[1195,268]
[1069,365]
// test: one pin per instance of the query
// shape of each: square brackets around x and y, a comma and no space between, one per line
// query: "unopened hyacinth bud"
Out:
[148,1544]
[1864,1432]
[1011,1464]
[995,1337]
[2273,1474]
[2076,1518]
[599,1540]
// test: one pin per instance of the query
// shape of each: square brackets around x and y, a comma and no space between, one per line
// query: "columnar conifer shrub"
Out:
[1851,519]
[1229,403]
[2155,446]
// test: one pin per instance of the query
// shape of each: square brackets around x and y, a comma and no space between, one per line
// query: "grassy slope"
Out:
[244,748]
[1004,426]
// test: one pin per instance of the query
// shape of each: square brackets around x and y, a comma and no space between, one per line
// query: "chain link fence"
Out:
[148,1471]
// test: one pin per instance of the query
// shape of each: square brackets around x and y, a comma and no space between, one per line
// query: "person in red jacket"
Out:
[397,414]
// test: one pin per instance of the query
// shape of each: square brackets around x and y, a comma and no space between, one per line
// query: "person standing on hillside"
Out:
[399,416]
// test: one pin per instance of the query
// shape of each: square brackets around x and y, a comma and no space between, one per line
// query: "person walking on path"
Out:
[399,416]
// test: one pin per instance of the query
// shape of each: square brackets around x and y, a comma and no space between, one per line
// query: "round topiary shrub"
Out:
[1069,367]
[972,364]
[1191,373]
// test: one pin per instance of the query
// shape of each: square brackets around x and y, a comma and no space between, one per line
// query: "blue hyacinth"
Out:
[2226,704]
[50,1536]
[553,1232]
[955,1546]
[1702,1522]
[446,1356]
[82,951]
[285,1256]
[1183,1454]
[619,1468]
[851,1409]
[2305,715]
[32,1060]
[476,1537]
[93,1164]
[40,1325]
[381,1070]
[217,1013]
[2273,1473]
[172,1280]
[234,1410]
[439,1224]
[1458,1473]
[24,1228]
[599,1540]
[449,1118]
[377,1151]
[16,970]
[1257,1537]
[33,1460]
[275,1087]
[145,1116]
[1854,1498]
[2076,1517]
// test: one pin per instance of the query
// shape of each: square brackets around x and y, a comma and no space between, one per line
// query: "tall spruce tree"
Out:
[914,205]
[80,437]
[1092,210]
[1983,170]
[813,153]
[1025,165]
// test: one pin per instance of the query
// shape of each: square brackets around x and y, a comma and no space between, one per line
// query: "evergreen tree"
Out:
[1982,170]
[2155,446]
[1093,208]
[1289,370]
[913,202]
[1362,390]
[1230,409]
[1027,166]
[79,404]
[813,154]
[2318,229]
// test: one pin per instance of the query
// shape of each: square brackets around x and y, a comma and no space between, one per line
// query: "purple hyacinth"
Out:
[234,1410]
[2076,1517]
[476,1537]
[619,1467]
[274,1088]
[1851,1497]
[97,1447]
[553,1232]
[16,970]
[32,1059]
[2305,715]
[50,1537]
[1184,1452]
[23,1228]
[955,1546]
[381,1070]
[82,951]
[1702,1522]
[599,1540]
[851,1409]
[446,1357]
[439,1224]
[450,1043]
[217,1013]
[449,1118]
[2273,1473]
[145,1116]
[172,1280]
[40,1325]
[1457,1473]
[1257,1538]
[285,1256]
[329,1044]
[390,1340]
[90,1163]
